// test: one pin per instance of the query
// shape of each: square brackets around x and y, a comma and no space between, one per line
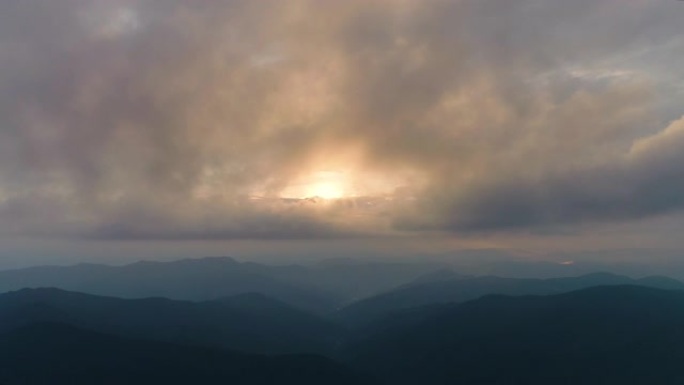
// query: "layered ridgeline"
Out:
[249,322]
[452,288]
[602,335]
[318,288]
[321,288]
[428,327]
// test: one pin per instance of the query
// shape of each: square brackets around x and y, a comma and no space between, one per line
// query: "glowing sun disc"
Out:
[325,190]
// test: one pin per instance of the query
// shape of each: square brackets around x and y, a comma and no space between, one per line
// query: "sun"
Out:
[328,185]
[325,190]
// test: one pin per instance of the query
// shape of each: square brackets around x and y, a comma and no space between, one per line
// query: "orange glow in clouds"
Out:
[322,184]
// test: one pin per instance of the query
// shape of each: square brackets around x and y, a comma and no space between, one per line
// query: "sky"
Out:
[161,128]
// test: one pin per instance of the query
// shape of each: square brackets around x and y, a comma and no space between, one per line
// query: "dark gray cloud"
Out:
[166,119]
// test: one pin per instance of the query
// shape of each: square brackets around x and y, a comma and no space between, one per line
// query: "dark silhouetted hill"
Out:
[251,323]
[604,335]
[57,354]
[445,288]
[622,335]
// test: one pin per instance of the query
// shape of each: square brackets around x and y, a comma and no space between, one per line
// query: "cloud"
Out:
[164,119]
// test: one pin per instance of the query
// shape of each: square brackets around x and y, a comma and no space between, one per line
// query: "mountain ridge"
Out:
[464,289]
[59,354]
[264,326]
[618,334]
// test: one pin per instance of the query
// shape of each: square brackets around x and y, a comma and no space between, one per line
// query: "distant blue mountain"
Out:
[319,288]
[453,288]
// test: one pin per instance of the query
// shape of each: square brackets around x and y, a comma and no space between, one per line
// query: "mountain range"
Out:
[319,288]
[250,322]
[432,326]
[602,335]
[452,288]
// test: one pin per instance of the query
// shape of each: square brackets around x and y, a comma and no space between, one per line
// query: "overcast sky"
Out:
[160,127]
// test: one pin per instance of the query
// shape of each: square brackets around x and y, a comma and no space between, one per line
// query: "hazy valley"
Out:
[250,323]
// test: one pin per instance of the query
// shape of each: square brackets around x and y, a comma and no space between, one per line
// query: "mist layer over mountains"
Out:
[218,320]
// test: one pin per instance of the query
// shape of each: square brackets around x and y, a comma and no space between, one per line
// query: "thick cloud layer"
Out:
[176,119]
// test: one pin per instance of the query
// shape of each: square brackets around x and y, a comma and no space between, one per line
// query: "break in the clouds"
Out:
[224,119]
